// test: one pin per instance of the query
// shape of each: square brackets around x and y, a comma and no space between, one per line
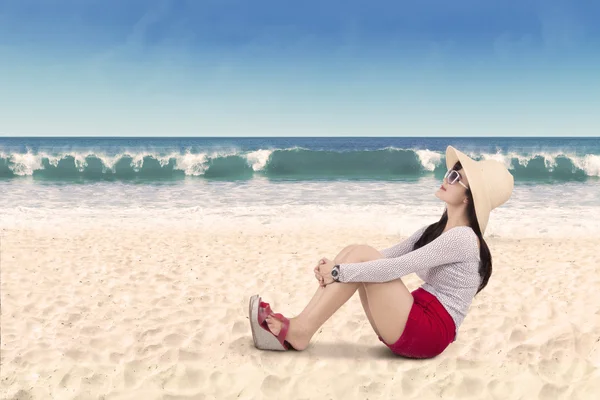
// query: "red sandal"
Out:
[263,338]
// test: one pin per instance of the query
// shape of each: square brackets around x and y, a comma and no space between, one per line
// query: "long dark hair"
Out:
[436,229]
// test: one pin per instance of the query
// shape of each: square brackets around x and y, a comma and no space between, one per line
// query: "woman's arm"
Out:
[455,245]
[404,246]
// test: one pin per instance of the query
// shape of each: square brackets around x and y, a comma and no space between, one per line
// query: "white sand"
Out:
[147,313]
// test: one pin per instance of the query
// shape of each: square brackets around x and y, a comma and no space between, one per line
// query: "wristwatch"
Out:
[335,272]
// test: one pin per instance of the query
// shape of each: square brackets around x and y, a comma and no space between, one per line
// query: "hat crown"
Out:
[490,182]
[498,182]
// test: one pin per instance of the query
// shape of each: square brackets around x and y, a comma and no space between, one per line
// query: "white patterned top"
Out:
[449,265]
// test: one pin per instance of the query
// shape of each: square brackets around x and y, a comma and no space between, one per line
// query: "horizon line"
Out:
[294,137]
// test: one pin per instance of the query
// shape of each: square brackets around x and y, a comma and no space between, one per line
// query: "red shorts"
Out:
[429,328]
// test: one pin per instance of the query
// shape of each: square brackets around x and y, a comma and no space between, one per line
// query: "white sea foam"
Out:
[258,159]
[429,159]
[562,210]
[195,164]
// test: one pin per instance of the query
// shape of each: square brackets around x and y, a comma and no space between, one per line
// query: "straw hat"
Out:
[489,180]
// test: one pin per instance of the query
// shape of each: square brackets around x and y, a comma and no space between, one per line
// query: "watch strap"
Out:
[336,277]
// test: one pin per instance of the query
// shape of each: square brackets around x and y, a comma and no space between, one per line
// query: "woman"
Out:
[450,256]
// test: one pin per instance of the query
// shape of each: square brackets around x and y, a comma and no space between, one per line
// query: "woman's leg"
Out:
[304,326]
[338,259]
[389,304]
[382,300]
[362,292]
[386,304]
[362,252]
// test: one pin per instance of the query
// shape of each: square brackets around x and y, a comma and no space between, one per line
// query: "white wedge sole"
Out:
[263,339]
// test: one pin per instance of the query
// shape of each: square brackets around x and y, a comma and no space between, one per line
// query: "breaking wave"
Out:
[292,163]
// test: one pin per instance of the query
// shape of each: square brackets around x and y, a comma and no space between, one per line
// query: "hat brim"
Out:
[474,173]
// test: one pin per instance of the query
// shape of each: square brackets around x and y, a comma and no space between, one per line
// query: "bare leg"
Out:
[364,300]
[341,257]
[389,304]
[315,299]
[322,306]
[304,326]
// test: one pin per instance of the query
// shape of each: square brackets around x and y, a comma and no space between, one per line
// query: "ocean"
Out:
[379,183]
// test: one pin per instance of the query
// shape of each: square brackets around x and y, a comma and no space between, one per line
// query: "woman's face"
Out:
[453,194]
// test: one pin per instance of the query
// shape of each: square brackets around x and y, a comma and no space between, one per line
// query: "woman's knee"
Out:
[342,254]
[363,252]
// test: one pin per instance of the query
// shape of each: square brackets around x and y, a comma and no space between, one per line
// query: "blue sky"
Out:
[299,68]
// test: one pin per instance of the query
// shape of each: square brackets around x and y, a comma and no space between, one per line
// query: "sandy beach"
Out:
[141,312]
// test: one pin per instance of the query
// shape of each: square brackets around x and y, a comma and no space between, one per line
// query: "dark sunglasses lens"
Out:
[452,177]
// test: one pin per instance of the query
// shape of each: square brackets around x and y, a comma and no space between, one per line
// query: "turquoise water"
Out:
[85,159]
[384,184]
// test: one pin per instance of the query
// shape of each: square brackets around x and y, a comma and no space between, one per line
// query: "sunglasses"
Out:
[454,176]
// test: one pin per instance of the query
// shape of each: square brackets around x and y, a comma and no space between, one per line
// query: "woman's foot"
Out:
[296,336]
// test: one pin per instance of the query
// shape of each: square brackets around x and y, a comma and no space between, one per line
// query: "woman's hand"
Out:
[323,271]
[318,274]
